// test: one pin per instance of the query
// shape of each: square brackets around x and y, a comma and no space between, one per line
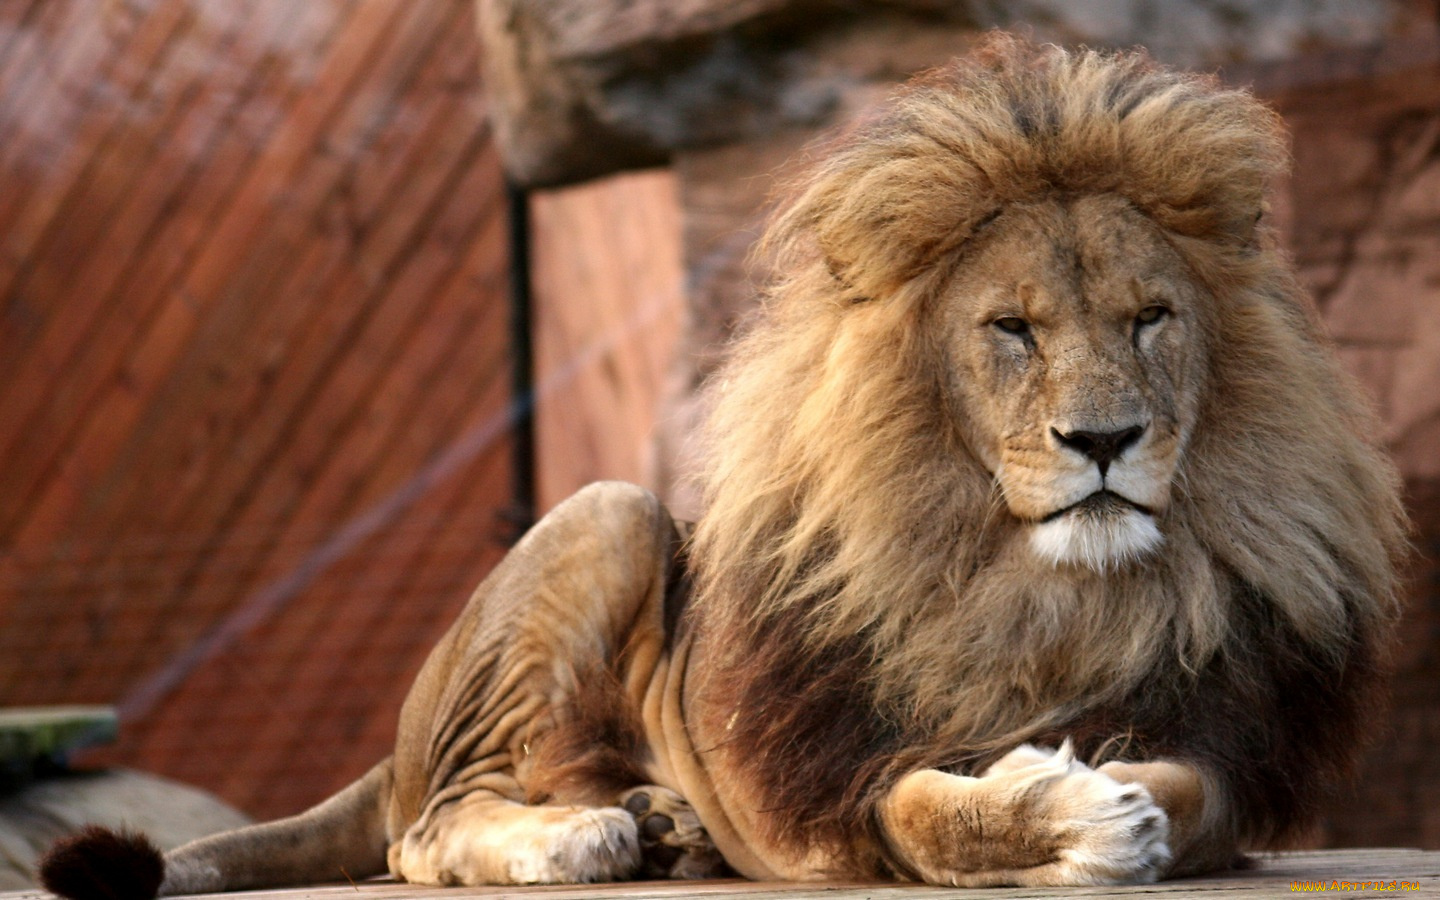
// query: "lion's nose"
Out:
[1104,447]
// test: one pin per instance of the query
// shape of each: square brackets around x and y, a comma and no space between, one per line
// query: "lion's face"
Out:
[1077,335]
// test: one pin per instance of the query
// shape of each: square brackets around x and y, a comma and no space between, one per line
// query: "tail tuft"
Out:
[96,863]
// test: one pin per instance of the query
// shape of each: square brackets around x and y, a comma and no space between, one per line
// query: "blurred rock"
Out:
[580,88]
[33,816]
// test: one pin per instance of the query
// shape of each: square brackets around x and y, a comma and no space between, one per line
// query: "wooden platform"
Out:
[1414,873]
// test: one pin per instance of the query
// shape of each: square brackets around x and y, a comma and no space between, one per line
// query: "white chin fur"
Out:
[1099,543]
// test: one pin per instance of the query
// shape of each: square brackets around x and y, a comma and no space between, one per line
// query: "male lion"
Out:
[1045,544]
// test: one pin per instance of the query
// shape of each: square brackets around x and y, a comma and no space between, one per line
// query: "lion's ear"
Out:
[1244,230]
[844,286]
[897,267]
[1250,237]
[1236,226]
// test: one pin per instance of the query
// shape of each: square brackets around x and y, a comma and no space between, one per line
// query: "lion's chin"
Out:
[1102,537]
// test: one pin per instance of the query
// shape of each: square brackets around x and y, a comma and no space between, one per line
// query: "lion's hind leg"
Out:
[484,838]
[526,730]
[594,758]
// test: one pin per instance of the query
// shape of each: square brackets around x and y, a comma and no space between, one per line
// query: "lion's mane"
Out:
[848,548]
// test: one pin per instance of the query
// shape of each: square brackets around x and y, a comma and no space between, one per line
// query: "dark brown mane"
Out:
[847,556]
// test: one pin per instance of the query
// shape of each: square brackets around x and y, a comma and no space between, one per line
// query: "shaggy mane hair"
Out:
[849,551]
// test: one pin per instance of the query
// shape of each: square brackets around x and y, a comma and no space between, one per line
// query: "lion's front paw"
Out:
[673,843]
[1103,832]
[1035,818]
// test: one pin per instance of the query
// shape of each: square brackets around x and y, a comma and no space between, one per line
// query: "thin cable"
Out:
[272,597]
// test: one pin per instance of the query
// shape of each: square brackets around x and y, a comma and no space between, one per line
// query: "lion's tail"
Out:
[341,838]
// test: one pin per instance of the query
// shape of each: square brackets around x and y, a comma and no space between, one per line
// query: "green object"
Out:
[30,735]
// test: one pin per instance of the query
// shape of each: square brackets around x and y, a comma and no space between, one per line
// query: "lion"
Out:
[1045,543]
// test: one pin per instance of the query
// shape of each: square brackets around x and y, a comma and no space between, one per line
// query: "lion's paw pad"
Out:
[673,843]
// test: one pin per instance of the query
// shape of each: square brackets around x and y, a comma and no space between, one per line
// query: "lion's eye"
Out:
[1145,319]
[1012,325]
[1151,314]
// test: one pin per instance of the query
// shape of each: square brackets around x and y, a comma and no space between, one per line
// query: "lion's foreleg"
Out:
[1202,836]
[1036,818]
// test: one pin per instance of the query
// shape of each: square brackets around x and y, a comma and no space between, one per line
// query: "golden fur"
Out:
[1034,442]
[840,495]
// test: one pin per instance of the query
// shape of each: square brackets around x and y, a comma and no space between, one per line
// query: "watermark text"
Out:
[1338,885]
